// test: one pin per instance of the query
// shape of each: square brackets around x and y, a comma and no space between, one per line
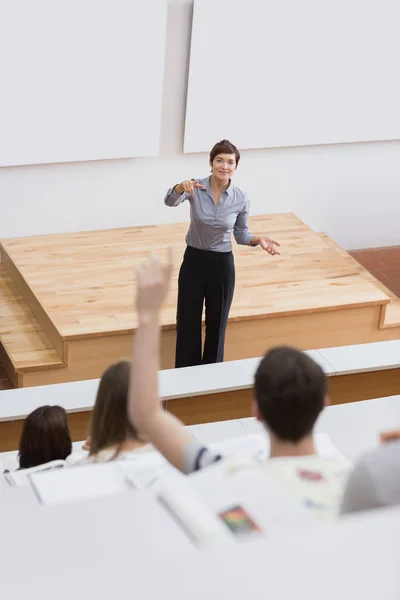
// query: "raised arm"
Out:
[157,426]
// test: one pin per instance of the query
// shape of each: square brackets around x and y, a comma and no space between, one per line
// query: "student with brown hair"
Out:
[112,436]
[45,437]
[207,274]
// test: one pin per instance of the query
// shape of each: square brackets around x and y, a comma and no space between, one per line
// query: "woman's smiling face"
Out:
[223,166]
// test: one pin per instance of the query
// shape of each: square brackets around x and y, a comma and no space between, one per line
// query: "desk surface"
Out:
[123,546]
[354,428]
[122,524]
[102,548]
[194,381]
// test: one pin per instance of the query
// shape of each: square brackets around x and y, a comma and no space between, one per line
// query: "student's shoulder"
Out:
[379,459]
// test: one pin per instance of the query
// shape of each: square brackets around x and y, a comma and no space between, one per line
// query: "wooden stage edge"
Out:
[236,404]
[66,301]
[245,339]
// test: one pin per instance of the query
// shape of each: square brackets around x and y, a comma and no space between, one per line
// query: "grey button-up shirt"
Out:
[211,225]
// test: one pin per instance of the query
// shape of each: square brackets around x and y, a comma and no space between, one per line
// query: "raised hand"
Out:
[153,280]
[390,436]
[188,186]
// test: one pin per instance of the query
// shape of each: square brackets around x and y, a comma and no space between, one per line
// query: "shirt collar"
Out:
[206,183]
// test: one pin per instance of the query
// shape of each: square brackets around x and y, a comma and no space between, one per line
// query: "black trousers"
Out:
[210,277]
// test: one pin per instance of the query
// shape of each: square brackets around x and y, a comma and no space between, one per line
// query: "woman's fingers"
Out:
[190,186]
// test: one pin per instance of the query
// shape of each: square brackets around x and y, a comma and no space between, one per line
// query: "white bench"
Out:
[179,388]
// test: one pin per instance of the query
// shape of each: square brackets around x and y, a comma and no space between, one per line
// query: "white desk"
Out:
[130,526]
[79,396]
[356,429]
[15,500]
[121,547]
[353,428]
[362,358]
[357,558]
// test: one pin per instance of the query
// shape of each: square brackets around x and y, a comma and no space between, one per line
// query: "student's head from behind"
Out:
[224,159]
[45,437]
[110,425]
[290,392]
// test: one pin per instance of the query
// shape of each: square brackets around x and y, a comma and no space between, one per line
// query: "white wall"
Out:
[352,192]
[93,99]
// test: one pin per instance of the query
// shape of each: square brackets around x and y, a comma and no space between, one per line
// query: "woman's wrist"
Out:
[254,241]
[178,188]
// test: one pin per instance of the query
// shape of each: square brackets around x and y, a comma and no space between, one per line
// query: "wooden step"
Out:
[23,287]
[392,315]
[391,312]
[23,344]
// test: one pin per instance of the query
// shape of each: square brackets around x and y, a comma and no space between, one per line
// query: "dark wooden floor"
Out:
[383,263]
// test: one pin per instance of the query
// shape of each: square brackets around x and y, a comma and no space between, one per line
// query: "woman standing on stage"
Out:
[208,272]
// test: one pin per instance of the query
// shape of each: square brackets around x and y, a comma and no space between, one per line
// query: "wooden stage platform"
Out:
[66,301]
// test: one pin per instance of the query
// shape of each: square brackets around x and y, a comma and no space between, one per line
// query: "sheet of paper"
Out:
[79,483]
[255,446]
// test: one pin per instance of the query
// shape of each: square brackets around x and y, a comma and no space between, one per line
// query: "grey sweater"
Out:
[375,480]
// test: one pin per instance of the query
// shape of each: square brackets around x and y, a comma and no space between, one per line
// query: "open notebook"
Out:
[22,477]
[81,482]
[143,471]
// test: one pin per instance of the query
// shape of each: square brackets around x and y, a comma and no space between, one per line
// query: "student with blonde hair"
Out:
[112,436]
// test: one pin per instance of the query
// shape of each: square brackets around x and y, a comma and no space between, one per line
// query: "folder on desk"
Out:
[230,500]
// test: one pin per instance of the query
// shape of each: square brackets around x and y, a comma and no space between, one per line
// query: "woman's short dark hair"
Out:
[110,424]
[45,437]
[290,391]
[224,147]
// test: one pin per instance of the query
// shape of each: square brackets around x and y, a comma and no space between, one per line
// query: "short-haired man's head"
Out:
[290,390]
[224,147]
